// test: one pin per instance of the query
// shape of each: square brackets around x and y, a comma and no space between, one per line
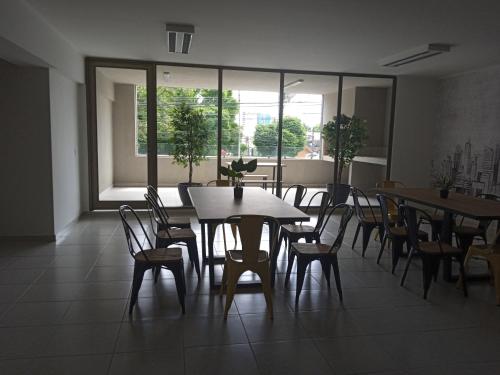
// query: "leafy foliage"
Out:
[353,134]
[294,137]
[235,171]
[204,99]
[189,135]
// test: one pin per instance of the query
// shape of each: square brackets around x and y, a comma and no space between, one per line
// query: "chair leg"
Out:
[266,287]
[367,231]
[356,235]
[462,274]
[407,267]
[336,273]
[224,280]
[233,274]
[180,285]
[325,265]
[427,267]
[301,273]
[291,258]
[139,270]
[397,249]
[156,273]
[382,247]
[193,251]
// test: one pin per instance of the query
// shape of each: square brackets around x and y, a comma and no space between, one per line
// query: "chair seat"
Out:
[177,234]
[312,248]
[402,232]
[179,221]
[433,248]
[465,230]
[294,228]
[486,249]
[160,256]
[237,256]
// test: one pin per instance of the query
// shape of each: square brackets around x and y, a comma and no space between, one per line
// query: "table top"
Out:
[455,203]
[264,164]
[215,204]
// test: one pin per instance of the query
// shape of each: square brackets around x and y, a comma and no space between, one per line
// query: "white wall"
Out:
[65,123]
[105,96]
[414,130]
[25,144]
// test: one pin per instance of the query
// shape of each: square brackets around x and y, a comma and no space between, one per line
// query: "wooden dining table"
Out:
[214,204]
[455,204]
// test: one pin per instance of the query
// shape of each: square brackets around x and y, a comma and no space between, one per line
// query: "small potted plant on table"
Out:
[444,183]
[235,172]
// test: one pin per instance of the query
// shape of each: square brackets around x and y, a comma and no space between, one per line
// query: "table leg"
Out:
[203,243]
[274,178]
[211,266]
[446,236]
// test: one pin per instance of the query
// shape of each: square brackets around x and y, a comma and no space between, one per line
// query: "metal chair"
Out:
[294,232]
[395,232]
[168,236]
[166,220]
[249,258]
[431,253]
[367,222]
[326,254]
[300,193]
[151,258]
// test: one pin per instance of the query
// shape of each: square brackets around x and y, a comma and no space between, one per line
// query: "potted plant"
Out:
[353,134]
[235,172]
[189,139]
[444,183]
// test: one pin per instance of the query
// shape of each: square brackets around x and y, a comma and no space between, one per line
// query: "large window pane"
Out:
[121,120]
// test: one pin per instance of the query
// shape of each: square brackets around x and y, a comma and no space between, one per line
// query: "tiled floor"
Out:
[63,310]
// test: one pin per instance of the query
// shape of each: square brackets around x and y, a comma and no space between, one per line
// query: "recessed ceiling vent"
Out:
[415,54]
[179,37]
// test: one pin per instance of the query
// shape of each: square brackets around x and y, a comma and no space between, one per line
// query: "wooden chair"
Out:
[151,258]
[394,231]
[300,193]
[326,254]
[166,220]
[249,258]
[431,253]
[491,253]
[465,234]
[368,221]
[169,236]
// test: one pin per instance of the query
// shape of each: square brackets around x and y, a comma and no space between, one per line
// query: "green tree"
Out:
[204,99]
[353,134]
[189,132]
[293,141]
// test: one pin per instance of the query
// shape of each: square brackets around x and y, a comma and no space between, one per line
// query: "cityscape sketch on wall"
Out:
[474,172]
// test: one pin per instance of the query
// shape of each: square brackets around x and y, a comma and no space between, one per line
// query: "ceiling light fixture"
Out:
[415,54]
[293,83]
[179,37]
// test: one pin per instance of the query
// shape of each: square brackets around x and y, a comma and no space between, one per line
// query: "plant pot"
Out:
[238,192]
[183,192]
[443,193]
[340,193]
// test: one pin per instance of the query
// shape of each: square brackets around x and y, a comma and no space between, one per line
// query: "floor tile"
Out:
[284,326]
[149,362]
[35,313]
[96,311]
[213,331]
[150,335]
[77,365]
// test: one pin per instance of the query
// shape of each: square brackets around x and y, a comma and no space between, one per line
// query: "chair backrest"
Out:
[389,184]
[156,217]
[484,224]
[300,193]
[128,215]
[344,220]
[218,183]
[250,231]
[411,223]
[323,208]
[384,209]
[360,213]
[153,193]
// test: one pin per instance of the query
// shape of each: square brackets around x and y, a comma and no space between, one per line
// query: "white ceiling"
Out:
[328,35]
